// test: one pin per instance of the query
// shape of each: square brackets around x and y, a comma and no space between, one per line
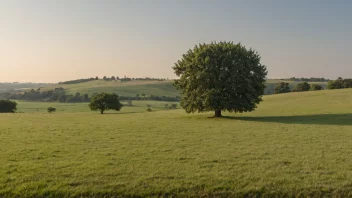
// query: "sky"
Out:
[52,41]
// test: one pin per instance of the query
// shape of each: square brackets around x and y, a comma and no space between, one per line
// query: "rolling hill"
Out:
[131,88]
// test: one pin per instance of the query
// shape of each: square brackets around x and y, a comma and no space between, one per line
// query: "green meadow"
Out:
[296,144]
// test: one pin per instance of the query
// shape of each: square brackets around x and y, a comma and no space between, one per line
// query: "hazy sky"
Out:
[50,41]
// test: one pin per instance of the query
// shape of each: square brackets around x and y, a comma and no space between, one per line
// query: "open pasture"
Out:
[297,144]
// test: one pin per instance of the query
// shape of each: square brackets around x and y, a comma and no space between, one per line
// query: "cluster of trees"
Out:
[284,87]
[340,83]
[7,106]
[48,96]
[312,79]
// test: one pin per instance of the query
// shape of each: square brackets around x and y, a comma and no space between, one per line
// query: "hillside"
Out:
[293,144]
[131,88]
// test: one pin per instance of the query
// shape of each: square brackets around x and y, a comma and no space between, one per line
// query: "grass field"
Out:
[296,144]
[41,107]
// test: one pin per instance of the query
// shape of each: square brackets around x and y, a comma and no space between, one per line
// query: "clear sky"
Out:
[50,41]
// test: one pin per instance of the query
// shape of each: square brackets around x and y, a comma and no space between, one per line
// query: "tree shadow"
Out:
[320,119]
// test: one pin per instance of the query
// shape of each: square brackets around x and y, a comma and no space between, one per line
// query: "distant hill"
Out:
[13,87]
[149,87]
[128,88]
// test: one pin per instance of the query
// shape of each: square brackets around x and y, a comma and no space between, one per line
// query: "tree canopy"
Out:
[105,101]
[220,77]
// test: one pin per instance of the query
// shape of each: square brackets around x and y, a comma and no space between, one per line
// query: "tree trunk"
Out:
[101,111]
[217,114]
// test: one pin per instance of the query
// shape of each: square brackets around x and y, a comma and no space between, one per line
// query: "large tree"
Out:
[105,101]
[220,76]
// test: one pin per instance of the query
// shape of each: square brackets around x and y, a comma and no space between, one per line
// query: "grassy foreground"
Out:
[297,144]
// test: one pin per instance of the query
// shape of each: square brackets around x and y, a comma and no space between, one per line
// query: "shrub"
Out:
[149,109]
[315,87]
[7,106]
[282,87]
[174,106]
[51,109]
[303,86]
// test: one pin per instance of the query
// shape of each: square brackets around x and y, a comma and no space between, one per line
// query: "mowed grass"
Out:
[297,144]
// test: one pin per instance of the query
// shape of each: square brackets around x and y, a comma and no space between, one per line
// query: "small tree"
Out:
[220,77]
[113,78]
[149,109]
[105,101]
[315,87]
[303,86]
[7,106]
[97,78]
[51,109]
[282,87]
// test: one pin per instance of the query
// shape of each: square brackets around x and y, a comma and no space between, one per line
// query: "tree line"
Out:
[112,78]
[58,95]
[311,79]
[340,83]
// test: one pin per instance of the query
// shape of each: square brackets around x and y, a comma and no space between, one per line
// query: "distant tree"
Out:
[137,95]
[105,101]
[104,78]
[220,76]
[117,78]
[113,78]
[51,109]
[282,87]
[149,109]
[149,105]
[303,86]
[174,106]
[97,78]
[7,106]
[129,103]
[315,87]
[85,98]
[166,106]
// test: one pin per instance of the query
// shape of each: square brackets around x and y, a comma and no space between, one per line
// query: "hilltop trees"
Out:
[105,101]
[220,76]
[282,87]
[7,106]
